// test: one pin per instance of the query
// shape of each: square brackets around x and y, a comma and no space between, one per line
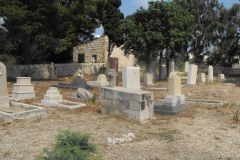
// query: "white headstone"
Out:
[221,77]
[192,74]
[163,72]
[210,74]
[52,95]
[201,78]
[174,84]
[23,89]
[4,99]
[131,77]
[148,79]
[186,66]
[102,78]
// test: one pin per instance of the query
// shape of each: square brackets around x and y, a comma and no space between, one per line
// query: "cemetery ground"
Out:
[200,132]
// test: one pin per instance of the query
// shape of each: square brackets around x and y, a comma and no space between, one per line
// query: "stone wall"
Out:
[45,71]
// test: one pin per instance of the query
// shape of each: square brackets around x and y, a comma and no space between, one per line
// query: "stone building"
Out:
[98,49]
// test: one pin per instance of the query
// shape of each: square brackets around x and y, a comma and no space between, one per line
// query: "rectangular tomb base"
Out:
[20,111]
[171,105]
[17,95]
[64,104]
[128,103]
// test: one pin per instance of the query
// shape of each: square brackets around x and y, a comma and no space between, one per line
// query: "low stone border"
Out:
[35,111]
[67,105]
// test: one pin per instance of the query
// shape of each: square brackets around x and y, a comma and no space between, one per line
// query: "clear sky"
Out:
[130,6]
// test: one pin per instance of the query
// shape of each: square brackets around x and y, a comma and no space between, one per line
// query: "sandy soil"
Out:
[200,132]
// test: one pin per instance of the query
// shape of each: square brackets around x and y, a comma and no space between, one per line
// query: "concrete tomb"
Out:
[201,78]
[23,89]
[174,102]
[10,110]
[132,104]
[131,77]
[163,74]
[210,74]
[186,67]
[101,81]
[4,99]
[53,98]
[148,79]
[192,74]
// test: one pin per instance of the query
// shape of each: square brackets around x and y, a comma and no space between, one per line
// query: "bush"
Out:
[8,59]
[70,146]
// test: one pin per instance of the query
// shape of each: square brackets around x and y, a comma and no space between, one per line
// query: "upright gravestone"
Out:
[23,89]
[192,74]
[210,74]
[174,84]
[163,74]
[131,77]
[148,79]
[4,99]
[186,67]
[112,74]
[201,78]
[174,102]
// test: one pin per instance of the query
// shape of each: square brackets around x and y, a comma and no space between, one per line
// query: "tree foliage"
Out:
[111,22]
[44,28]
[148,31]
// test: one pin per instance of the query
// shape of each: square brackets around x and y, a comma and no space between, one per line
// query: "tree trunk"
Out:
[148,61]
[27,52]
[160,64]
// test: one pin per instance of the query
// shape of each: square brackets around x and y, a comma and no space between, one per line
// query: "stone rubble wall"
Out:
[44,71]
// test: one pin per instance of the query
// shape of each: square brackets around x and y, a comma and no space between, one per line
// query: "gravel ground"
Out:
[200,132]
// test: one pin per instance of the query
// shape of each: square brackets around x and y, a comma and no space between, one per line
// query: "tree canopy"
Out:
[42,29]
[148,31]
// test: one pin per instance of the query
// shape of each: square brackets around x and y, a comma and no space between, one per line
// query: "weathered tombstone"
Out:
[201,78]
[147,78]
[192,74]
[112,77]
[210,74]
[23,89]
[131,77]
[186,66]
[163,72]
[221,77]
[174,84]
[102,78]
[174,102]
[52,71]
[4,99]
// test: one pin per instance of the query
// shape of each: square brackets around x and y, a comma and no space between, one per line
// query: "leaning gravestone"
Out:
[4,99]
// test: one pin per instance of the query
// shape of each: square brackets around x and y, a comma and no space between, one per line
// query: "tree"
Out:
[149,31]
[44,29]
[111,22]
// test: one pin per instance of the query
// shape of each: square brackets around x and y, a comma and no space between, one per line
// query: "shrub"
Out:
[70,146]
[8,59]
